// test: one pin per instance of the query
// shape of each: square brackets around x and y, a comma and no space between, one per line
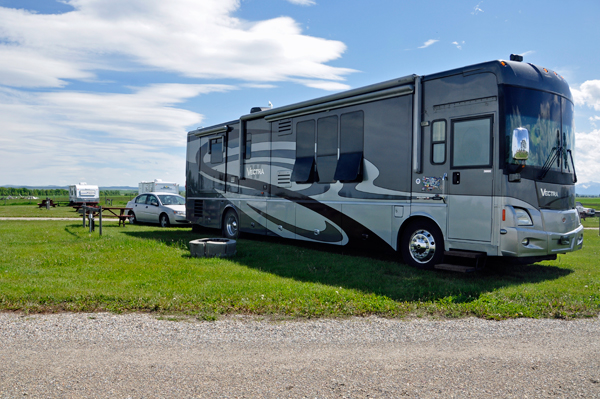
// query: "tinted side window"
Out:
[438,142]
[216,150]
[349,166]
[141,199]
[248,146]
[327,146]
[303,171]
[471,142]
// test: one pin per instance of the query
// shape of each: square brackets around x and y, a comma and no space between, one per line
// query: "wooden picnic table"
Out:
[45,204]
[123,216]
[116,211]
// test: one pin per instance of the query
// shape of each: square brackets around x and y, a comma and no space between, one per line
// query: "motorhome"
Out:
[158,186]
[83,193]
[476,160]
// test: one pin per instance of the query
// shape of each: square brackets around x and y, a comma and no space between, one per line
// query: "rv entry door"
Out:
[470,181]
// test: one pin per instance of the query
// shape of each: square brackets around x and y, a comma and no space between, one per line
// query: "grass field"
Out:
[29,208]
[50,266]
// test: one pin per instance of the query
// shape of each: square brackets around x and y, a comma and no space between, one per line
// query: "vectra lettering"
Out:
[254,171]
[548,193]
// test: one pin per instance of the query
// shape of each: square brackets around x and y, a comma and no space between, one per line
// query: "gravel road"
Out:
[143,356]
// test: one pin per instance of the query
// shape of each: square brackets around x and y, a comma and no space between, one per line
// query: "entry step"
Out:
[455,268]
[462,261]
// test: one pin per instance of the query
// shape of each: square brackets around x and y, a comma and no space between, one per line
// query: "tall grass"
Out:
[49,266]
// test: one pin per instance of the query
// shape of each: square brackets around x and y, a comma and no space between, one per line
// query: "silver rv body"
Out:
[476,159]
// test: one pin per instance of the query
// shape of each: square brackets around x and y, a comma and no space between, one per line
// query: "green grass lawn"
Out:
[48,266]
[27,210]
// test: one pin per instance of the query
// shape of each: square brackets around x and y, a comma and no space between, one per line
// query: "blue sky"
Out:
[104,91]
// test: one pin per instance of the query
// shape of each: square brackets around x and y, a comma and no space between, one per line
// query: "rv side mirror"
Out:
[520,144]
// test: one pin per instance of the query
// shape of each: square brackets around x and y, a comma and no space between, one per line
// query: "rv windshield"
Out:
[549,119]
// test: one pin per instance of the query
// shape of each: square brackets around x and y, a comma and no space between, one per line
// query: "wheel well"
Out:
[411,220]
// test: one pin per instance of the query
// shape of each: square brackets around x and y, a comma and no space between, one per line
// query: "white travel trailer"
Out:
[471,162]
[158,186]
[83,193]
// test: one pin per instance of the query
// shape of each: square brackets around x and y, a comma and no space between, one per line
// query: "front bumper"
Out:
[178,219]
[523,241]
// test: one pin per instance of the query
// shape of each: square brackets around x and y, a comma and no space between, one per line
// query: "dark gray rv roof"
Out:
[515,74]
[507,72]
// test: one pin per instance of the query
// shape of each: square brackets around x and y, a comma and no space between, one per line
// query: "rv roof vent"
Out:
[516,57]
[258,109]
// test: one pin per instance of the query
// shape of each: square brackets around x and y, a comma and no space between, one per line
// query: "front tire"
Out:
[231,225]
[422,244]
[164,220]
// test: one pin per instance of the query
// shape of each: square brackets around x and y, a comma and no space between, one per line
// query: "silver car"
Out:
[164,208]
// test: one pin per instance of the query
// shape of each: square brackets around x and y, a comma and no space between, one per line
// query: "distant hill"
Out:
[591,189]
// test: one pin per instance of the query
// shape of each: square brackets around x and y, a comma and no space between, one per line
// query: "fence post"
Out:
[100,217]
[83,213]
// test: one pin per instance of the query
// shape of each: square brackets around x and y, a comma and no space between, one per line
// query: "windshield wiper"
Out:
[554,154]
[572,163]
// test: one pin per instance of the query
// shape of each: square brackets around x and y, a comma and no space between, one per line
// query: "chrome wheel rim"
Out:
[231,226]
[422,246]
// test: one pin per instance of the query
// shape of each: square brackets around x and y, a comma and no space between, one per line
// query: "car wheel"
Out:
[422,244]
[132,218]
[164,220]
[231,225]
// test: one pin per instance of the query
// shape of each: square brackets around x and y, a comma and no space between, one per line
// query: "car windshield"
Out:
[549,120]
[172,199]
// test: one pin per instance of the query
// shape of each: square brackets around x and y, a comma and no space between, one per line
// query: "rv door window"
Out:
[349,166]
[305,152]
[438,142]
[472,142]
[327,148]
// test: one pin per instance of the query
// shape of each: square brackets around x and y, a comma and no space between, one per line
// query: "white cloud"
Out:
[588,94]
[187,37]
[459,45]
[429,43]
[57,135]
[61,135]
[477,9]
[587,146]
[594,119]
[325,85]
[303,2]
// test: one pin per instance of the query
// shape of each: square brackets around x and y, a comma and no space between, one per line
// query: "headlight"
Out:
[179,213]
[523,218]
